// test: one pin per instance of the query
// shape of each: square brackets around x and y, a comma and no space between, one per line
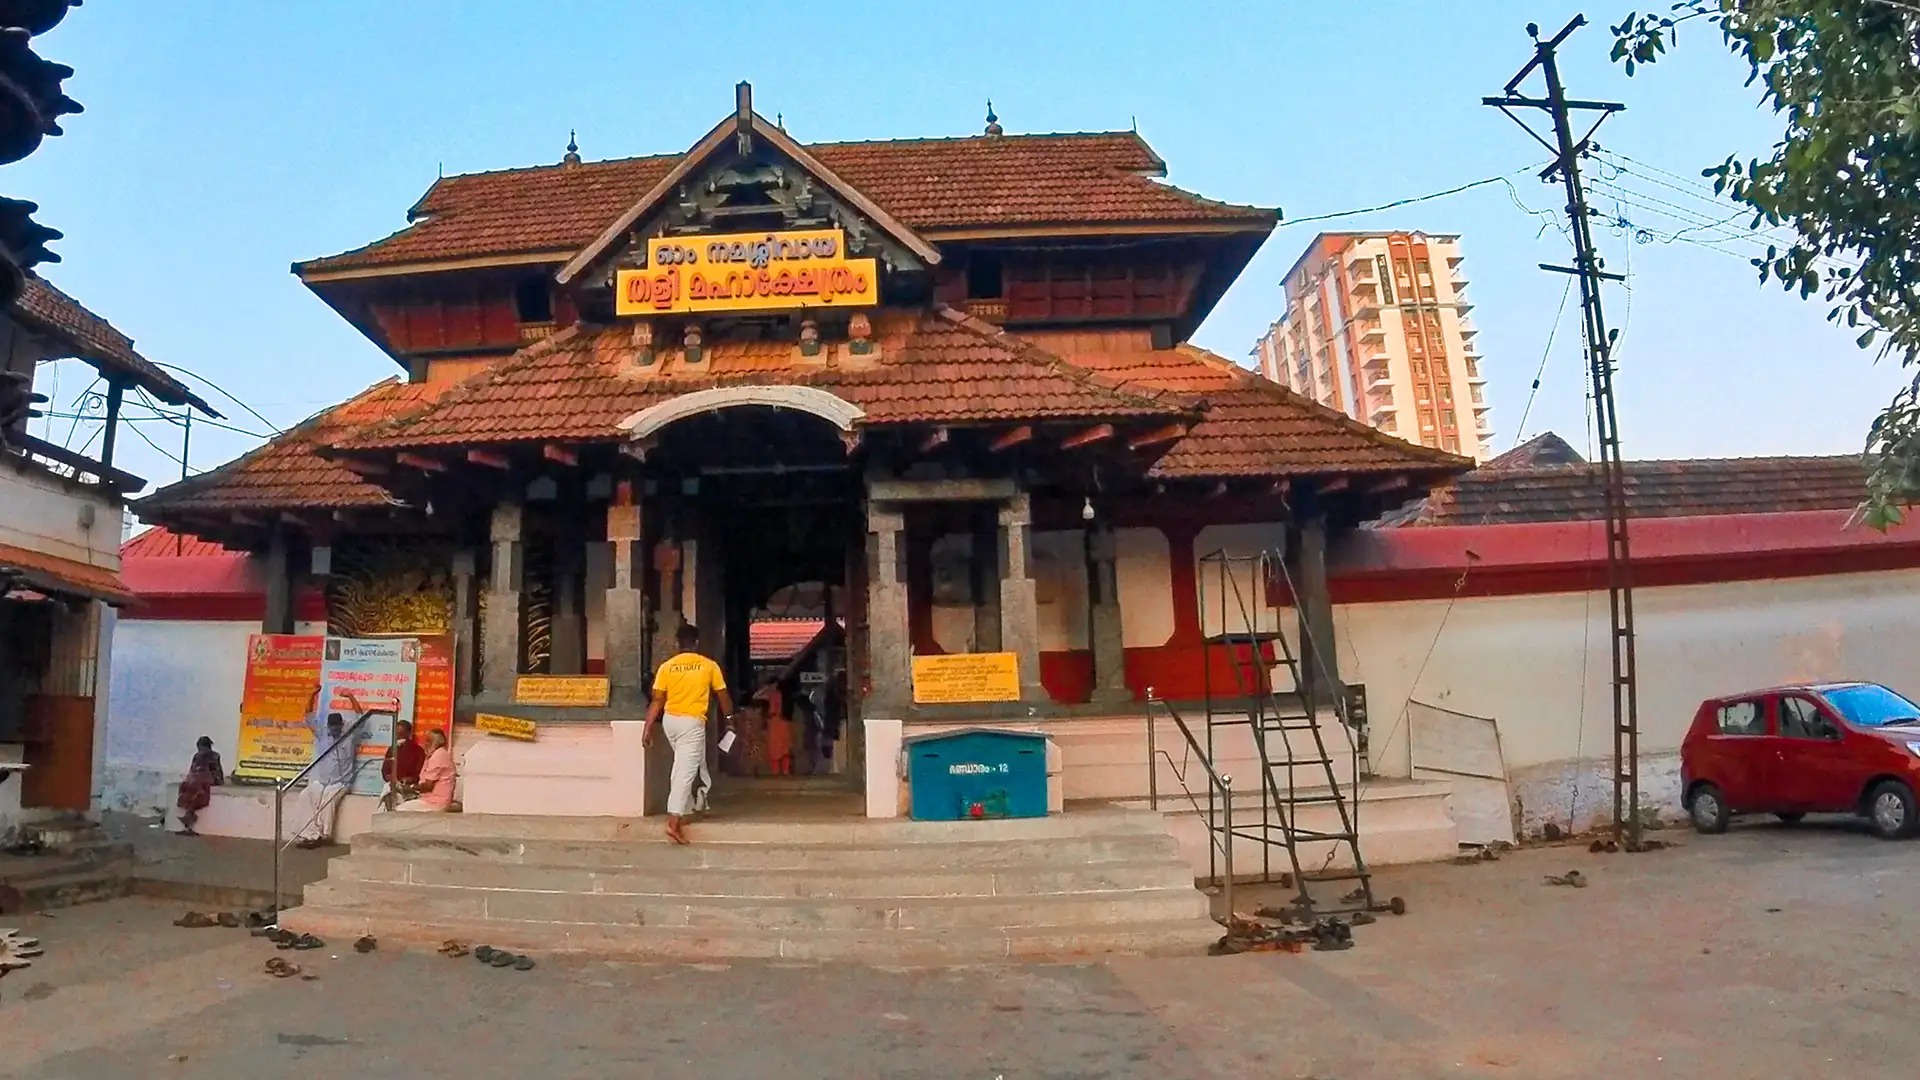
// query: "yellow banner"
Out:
[966,677]
[507,727]
[567,691]
[747,272]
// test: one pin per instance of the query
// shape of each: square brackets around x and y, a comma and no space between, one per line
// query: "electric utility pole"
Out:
[1588,268]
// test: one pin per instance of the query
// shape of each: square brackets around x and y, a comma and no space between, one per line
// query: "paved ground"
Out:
[214,869]
[1771,952]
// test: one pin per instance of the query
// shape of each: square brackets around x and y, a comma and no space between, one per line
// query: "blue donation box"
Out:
[977,773]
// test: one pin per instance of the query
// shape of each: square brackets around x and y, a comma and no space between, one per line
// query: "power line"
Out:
[1552,332]
[156,446]
[223,392]
[160,418]
[1408,201]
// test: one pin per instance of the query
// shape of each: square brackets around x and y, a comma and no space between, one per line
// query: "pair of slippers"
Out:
[287,939]
[194,920]
[500,958]
[281,969]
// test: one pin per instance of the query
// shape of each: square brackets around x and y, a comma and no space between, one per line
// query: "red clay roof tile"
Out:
[53,314]
[976,182]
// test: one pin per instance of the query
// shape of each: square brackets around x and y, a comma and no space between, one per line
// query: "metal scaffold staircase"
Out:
[1285,734]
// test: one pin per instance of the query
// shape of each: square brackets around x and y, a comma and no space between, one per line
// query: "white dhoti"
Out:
[688,737]
[313,808]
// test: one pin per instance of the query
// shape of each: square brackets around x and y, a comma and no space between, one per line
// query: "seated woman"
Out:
[401,766]
[196,791]
[437,777]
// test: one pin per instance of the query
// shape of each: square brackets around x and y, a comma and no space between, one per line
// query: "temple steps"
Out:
[1094,881]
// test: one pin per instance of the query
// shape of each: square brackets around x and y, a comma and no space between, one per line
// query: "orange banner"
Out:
[282,672]
[433,692]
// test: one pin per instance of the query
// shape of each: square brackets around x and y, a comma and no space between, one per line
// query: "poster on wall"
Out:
[433,687]
[282,670]
[377,675]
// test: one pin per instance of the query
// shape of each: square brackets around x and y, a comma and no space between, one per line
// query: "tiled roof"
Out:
[53,574]
[1545,448]
[160,542]
[1256,427]
[973,182]
[53,314]
[941,367]
[779,639]
[286,472]
[1683,488]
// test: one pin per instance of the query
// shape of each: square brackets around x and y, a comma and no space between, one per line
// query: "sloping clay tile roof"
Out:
[974,182]
[941,367]
[1256,427]
[53,574]
[159,542]
[286,472]
[53,314]
[1655,489]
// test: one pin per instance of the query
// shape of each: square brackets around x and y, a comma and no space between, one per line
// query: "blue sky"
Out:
[223,140]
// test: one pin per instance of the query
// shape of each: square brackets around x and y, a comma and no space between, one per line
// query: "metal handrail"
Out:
[1221,838]
[280,794]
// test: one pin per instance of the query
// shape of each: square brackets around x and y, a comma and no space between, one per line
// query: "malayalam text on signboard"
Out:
[747,272]
[282,673]
[507,727]
[966,677]
[565,691]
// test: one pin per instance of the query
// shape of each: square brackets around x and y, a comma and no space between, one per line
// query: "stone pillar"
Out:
[1319,670]
[625,602]
[669,562]
[983,566]
[500,635]
[1019,599]
[1103,623]
[279,585]
[569,645]
[465,607]
[889,640]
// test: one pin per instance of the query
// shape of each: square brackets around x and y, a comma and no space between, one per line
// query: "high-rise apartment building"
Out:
[1376,326]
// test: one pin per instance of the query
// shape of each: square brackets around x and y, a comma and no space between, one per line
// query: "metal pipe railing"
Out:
[1219,838]
[280,794]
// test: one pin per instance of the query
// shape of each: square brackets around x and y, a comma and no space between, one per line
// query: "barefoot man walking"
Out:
[680,691]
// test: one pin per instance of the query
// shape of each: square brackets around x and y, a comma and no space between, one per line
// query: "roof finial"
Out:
[573,149]
[993,122]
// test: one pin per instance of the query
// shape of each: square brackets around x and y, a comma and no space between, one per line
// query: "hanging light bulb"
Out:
[1086,510]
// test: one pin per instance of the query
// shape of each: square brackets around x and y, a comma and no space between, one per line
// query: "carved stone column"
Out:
[500,632]
[465,607]
[984,581]
[1103,602]
[625,601]
[1019,599]
[279,584]
[669,562]
[889,639]
[1319,655]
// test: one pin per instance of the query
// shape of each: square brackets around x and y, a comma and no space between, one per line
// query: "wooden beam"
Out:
[1391,483]
[1157,436]
[1281,488]
[559,454]
[490,460]
[940,437]
[1012,438]
[366,467]
[1094,434]
[418,461]
[1328,487]
[291,518]
[239,518]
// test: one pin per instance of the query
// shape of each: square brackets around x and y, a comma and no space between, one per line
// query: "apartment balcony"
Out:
[1365,307]
[1370,331]
[1467,328]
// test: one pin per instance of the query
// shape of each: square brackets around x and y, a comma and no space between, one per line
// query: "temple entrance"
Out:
[769,512]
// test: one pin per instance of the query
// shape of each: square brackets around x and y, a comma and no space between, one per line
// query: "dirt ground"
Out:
[1769,952]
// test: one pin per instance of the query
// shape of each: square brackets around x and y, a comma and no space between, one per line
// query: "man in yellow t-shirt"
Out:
[680,691]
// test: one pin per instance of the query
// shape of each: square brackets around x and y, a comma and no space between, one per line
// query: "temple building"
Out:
[934,397]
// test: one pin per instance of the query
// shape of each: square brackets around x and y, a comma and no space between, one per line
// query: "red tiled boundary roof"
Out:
[53,314]
[53,574]
[160,542]
[1655,489]
[944,367]
[286,472]
[927,184]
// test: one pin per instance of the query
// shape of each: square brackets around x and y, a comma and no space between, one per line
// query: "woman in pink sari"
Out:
[437,777]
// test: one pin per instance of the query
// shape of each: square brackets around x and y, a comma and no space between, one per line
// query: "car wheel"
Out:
[1791,819]
[1891,810]
[1709,810]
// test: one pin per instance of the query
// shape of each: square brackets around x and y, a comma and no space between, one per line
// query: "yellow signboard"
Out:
[966,677]
[507,727]
[747,272]
[567,691]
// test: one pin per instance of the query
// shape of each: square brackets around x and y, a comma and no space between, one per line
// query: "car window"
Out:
[1743,718]
[1871,705]
[1800,719]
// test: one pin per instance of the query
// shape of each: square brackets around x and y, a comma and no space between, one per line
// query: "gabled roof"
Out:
[286,472]
[928,185]
[750,124]
[1699,487]
[67,324]
[939,367]
[1545,448]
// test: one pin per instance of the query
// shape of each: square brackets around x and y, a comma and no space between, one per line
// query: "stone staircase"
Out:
[76,863]
[1087,882]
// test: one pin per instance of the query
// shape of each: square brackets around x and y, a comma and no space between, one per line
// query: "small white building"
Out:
[62,515]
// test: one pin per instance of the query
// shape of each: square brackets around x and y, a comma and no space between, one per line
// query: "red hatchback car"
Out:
[1845,748]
